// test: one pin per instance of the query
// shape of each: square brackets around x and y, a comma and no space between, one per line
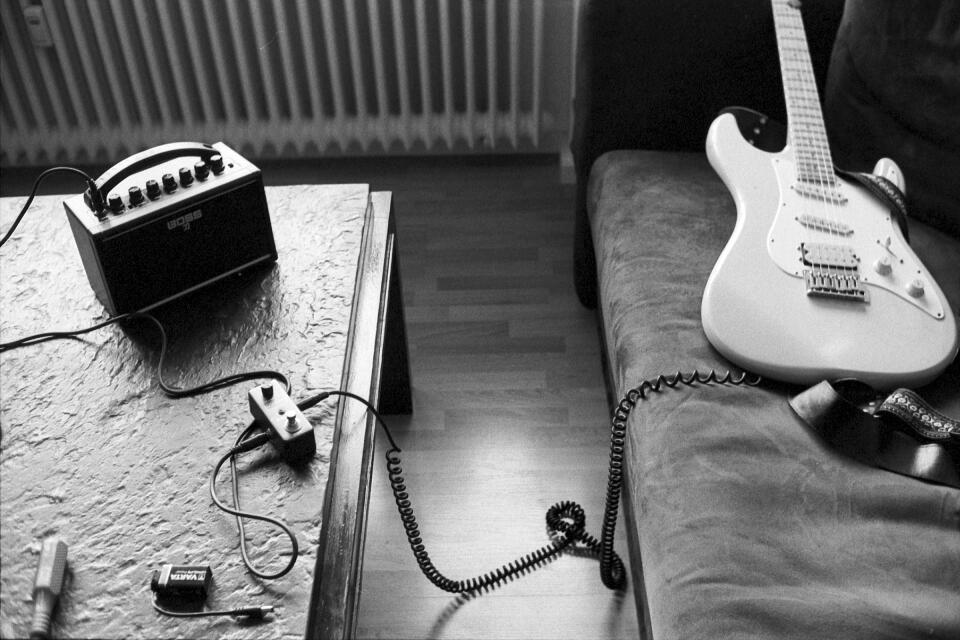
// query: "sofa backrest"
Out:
[652,74]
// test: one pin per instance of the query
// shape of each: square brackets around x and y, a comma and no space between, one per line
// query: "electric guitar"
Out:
[816,281]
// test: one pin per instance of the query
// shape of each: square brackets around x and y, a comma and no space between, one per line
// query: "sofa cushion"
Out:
[748,524]
[893,90]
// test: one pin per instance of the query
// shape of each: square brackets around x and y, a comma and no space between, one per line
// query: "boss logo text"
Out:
[185,220]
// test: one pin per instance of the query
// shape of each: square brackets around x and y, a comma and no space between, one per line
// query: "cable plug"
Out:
[251,443]
[47,585]
[290,431]
[255,613]
[94,199]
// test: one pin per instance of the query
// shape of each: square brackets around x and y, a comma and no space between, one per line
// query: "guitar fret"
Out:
[804,113]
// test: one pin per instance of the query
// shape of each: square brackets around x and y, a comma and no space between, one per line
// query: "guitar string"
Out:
[814,165]
[829,185]
[794,128]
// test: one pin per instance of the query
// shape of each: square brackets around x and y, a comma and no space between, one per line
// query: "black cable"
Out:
[172,391]
[244,440]
[245,443]
[565,523]
[250,612]
[207,387]
[565,520]
[91,184]
[47,336]
[612,571]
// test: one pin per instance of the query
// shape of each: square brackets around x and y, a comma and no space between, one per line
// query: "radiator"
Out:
[92,81]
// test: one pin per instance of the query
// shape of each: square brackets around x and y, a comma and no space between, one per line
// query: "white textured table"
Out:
[93,451]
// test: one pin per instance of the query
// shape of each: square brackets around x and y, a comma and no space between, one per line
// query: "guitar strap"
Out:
[903,434]
[884,190]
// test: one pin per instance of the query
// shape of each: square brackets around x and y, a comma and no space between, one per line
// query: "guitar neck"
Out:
[807,133]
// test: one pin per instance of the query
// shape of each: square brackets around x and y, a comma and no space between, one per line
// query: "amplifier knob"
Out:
[153,189]
[186,178]
[216,163]
[169,183]
[115,203]
[136,196]
[201,170]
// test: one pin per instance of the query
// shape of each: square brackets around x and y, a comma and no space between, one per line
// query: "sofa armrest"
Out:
[652,74]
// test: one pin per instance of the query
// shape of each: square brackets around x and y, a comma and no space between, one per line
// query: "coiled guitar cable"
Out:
[565,520]
[612,571]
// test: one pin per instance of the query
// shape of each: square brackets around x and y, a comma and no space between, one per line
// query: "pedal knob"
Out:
[169,183]
[186,178]
[915,288]
[136,196]
[153,189]
[115,203]
[201,170]
[216,163]
[882,266]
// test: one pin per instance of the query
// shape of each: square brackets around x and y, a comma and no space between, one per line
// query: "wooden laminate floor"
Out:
[509,414]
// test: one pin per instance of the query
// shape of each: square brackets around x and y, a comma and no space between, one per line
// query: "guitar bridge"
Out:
[841,284]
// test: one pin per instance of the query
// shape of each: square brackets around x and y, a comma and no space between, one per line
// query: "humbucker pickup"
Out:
[829,255]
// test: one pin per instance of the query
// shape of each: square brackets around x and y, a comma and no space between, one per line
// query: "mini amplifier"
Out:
[168,221]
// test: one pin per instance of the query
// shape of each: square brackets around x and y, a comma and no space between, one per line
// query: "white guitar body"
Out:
[891,327]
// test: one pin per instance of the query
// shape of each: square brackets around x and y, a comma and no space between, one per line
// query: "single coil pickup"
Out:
[814,188]
[845,286]
[823,224]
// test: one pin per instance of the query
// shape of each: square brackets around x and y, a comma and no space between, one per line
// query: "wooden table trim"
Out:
[336,583]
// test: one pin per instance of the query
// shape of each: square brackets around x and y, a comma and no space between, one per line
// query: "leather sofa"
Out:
[742,521]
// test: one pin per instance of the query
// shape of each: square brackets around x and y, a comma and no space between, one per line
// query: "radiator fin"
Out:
[285,78]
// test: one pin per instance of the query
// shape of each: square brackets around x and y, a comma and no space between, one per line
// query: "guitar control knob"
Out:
[153,189]
[136,196]
[216,163]
[169,183]
[915,288]
[115,203]
[201,170]
[186,178]
[883,266]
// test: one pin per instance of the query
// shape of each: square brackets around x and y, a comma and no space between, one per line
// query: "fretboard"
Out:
[807,133]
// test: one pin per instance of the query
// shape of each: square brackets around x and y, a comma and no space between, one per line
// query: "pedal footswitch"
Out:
[290,431]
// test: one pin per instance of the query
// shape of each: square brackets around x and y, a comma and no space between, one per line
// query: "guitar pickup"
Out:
[824,224]
[816,254]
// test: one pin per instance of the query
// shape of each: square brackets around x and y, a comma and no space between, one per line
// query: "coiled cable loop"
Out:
[566,521]
[612,571]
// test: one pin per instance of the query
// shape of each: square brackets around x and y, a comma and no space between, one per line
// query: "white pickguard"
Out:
[755,308]
[854,220]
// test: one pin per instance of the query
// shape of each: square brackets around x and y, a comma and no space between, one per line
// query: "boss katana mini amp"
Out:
[168,221]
